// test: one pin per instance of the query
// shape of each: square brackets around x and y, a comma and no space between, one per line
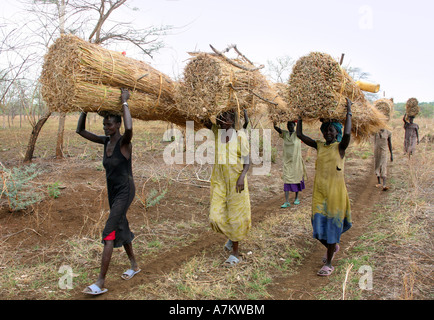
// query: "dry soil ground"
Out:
[180,256]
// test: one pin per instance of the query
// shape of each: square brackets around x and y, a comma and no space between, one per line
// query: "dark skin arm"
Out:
[246,119]
[240,181]
[277,128]
[346,137]
[81,130]
[389,142]
[299,130]
[126,147]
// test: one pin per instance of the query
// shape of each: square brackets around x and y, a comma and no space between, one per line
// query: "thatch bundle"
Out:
[80,76]
[412,107]
[282,111]
[317,89]
[385,106]
[212,85]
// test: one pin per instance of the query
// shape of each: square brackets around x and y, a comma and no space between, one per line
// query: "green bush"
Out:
[18,188]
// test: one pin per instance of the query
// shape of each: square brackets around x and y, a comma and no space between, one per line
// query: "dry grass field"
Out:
[388,254]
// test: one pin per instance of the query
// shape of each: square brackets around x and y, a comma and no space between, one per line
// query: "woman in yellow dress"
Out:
[230,201]
[331,212]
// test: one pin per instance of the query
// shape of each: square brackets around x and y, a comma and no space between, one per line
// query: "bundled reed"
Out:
[385,106]
[317,89]
[80,76]
[412,107]
[282,111]
[212,85]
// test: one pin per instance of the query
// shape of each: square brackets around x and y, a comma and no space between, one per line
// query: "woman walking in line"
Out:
[294,170]
[120,189]
[411,135]
[382,140]
[230,202]
[331,213]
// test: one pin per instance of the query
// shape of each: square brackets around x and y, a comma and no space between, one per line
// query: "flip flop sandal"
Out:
[127,275]
[297,201]
[94,290]
[325,271]
[324,259]
[232,260]
[228,246]
[285,205]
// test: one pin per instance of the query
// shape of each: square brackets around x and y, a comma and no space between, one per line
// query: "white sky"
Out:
[393,40]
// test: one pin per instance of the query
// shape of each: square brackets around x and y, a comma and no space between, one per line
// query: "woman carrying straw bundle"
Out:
[294,170]
[120,188]
[331,213]
[382,140]
[411,135]
[230,201]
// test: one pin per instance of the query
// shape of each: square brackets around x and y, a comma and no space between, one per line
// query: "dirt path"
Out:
[304,283]
[301,285]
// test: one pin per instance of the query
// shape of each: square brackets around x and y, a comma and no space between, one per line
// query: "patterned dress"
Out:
[229,210]
[331,212]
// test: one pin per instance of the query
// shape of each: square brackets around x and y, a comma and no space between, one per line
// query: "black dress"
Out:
[121,192]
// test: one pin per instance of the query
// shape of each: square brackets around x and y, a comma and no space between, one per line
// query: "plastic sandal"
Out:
[285,205]
[94,290]
[325,271]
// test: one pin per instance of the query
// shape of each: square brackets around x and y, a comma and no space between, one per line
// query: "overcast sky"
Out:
[392,40]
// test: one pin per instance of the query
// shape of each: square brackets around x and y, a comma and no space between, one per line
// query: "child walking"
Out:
[294,169]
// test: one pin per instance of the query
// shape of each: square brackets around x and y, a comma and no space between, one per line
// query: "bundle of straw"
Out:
[317,89]
[412,107]
[212,85]
[385,106]
[80,76]
[282,111]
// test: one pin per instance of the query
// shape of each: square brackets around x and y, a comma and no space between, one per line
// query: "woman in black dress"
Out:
[120,188]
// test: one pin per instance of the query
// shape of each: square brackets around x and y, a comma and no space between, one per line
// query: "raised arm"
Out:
[246,119]
[299,130]
[128,121]
[81,130]
[277,128]
[346,137]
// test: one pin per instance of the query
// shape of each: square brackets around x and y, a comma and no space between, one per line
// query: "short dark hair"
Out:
[107,115]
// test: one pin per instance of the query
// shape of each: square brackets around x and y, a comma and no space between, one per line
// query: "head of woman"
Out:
[290,125]
[111,124]
[226,120]
[332,131]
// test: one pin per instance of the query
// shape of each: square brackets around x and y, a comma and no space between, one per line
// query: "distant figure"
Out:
[331,212]
[120,189]
[382,139]
[294,170]
[411,135]
[230,201]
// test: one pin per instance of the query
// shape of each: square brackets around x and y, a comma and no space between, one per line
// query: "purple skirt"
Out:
[294,187]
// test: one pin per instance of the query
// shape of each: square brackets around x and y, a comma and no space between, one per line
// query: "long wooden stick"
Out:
[233,62]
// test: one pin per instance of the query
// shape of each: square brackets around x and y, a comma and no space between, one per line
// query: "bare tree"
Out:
[78,17]
[280,69]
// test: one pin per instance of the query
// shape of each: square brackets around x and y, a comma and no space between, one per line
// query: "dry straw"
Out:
[213,84]
[80,76]
[317,89]
[385,106]
[412,107]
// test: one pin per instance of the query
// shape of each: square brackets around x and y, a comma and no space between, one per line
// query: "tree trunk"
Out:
[34,136]
[59,147]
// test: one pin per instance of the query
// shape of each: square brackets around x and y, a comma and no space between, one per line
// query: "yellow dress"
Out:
[331,212]
[229,210]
